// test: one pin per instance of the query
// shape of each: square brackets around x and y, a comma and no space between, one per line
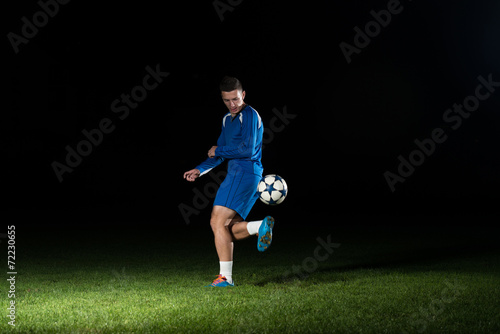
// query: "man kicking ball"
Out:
[240,142]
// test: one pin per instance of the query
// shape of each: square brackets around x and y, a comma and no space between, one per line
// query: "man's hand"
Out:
[211,152]
[192,175]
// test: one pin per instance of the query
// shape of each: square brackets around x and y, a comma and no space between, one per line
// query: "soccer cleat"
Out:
[265,234]
[220,282]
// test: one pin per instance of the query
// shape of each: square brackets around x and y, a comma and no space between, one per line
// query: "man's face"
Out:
[233,100]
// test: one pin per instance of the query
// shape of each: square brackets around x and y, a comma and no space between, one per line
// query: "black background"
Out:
[351,123]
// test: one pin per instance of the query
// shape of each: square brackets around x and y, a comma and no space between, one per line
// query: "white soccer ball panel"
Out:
[275,195]
[280,200]
[265,196]
[285,187]
[262,186]
[278,185]
[269,179]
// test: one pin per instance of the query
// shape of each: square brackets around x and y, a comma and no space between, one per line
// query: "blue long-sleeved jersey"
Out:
[240,142]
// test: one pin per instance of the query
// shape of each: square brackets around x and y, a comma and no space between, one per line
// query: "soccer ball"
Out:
[272,189]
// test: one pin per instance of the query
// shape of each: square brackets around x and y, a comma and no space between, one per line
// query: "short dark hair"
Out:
[229,84]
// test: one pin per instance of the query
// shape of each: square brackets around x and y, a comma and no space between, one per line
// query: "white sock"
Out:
[226,270]
[253,227]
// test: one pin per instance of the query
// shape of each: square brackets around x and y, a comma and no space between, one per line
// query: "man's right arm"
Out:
[207,165]
[210,163]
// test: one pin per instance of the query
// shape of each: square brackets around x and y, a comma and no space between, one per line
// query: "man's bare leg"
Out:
[228,226]
[220,221]
[238,228]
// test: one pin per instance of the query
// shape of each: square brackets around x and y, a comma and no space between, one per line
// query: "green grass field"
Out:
[372,281]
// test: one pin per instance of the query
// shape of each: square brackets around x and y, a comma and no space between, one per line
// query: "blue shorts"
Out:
[238,192]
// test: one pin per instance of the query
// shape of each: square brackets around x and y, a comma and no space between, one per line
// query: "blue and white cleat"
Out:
[265,234]
[220,282]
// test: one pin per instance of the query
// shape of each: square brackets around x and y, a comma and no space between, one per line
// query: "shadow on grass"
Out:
[460,257]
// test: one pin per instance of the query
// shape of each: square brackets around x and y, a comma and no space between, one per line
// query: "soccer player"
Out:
[240,142]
